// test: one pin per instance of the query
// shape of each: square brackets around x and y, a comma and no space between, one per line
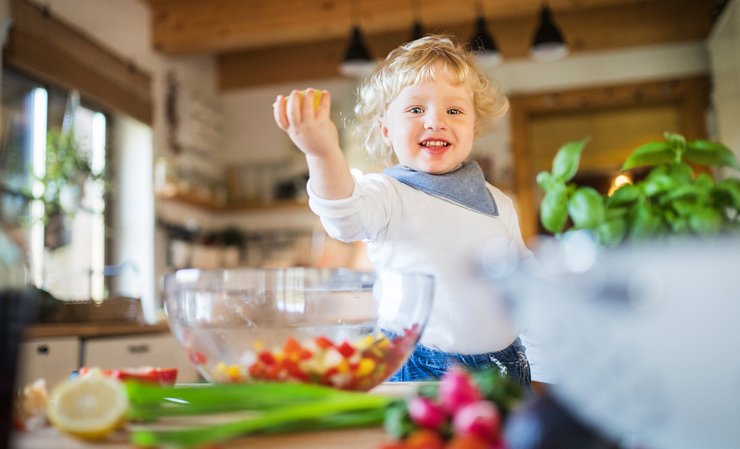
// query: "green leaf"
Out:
[677,141]
[499,389]
[684,207]
[568,158]
[657,183]
[624,195]
[706,221]
[397,422]
[554,209]
[612,231]
[545,180]
[706,152]
[652,153]
[646,224]
[586,208]
[682,192]
[680,225]
[680,172]
[615,212]
[704,182]
[731,187]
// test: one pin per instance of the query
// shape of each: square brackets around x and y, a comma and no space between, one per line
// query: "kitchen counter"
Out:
[365,438]
[100,329]
[359,438]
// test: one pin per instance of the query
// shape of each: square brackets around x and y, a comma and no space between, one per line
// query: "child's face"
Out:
[431,125]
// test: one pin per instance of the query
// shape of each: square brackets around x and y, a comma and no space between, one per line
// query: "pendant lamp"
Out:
[417,30]
[483,42]
[548,43]
[357,61]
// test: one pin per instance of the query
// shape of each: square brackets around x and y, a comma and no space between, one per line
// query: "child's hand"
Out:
[308,126]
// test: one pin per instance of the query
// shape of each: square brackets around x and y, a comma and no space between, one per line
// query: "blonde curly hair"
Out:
[415,62]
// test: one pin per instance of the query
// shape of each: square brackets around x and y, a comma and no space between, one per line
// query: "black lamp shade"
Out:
[357,61]
[548,43]
[417,31]
[484,44]
[357,49]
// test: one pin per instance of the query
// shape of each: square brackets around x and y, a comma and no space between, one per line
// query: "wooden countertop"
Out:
[359,438]
[363,438]
[97,329]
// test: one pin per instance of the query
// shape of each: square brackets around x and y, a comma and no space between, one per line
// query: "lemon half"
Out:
[89,407]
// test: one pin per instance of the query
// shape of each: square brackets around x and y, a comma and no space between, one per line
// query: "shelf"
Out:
[241,206]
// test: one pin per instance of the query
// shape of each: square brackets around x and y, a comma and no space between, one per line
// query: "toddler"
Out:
[430,212]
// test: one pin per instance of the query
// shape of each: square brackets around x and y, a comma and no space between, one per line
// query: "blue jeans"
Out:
[429,364]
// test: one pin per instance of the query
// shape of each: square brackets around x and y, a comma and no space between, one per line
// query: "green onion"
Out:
[277,407]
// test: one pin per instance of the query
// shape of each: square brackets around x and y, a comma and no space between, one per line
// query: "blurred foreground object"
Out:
[640,337]
[29,408]
[16,306]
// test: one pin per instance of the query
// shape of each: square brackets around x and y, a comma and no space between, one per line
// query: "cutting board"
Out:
[361,438]
[367,438]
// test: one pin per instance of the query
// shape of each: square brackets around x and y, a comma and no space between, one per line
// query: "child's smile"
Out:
[431,125]
[434,146]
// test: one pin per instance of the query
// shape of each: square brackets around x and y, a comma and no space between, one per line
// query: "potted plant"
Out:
[672,199]
[62,186]
[624,320]
[67,171]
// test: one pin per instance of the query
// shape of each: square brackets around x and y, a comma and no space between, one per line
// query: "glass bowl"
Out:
[347,329]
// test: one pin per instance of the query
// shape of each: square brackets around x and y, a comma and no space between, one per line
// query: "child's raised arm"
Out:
[312,130]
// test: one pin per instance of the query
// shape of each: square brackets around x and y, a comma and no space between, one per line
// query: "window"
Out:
[66,251]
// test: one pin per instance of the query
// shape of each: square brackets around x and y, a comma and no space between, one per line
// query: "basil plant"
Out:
[670,200]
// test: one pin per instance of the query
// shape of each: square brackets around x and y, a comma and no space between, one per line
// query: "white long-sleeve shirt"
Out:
[406,229]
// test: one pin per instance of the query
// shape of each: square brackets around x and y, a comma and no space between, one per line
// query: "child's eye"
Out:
[415,110]
[454,111]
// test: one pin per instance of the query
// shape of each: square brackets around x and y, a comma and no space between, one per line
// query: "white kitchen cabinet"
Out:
[160,350]
[52,359]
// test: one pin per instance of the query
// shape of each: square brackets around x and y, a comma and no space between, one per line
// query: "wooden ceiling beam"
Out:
[642,23]
[194,26]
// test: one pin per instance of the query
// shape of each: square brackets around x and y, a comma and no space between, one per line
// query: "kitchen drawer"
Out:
[50,358]
[159,350]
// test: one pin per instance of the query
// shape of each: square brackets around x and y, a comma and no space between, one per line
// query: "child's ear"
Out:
[384,132]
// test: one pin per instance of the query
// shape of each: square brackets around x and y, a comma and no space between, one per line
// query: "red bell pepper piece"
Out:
[156,375]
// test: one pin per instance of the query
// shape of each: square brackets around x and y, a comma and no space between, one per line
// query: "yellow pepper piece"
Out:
[365,342]
[234,372]
[382,342]
[343,367]
[365,367]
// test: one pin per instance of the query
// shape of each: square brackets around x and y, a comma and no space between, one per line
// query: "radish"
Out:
[480,418]
[456,389]
[425,412]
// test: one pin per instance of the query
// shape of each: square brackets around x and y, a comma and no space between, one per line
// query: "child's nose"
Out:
[436,120]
